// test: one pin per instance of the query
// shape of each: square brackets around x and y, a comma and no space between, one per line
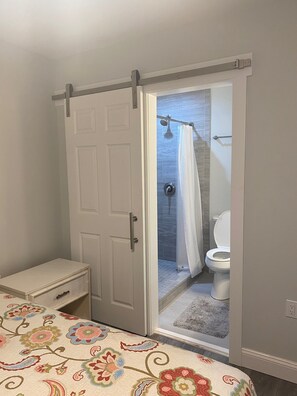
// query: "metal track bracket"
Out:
[68,94]
[135,77]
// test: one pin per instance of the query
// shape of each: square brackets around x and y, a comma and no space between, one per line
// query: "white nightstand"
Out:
[59,284]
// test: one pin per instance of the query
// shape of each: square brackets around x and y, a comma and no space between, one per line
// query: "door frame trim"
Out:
[238,80]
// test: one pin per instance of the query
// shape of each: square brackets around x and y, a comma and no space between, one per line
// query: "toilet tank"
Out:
[221,230]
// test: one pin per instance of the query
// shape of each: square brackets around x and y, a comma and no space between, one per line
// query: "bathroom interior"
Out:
[194,146]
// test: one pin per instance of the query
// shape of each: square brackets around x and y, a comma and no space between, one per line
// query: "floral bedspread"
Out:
[44,352]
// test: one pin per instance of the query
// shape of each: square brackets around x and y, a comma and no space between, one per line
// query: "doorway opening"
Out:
[194,142]
[237,80]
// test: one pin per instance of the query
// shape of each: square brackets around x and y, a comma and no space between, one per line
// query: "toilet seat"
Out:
[219,254]
[218,259]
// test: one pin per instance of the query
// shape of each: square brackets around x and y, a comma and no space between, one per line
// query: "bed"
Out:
[44,352]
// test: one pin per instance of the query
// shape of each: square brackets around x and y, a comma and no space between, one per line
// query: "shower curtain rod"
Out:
[179,121]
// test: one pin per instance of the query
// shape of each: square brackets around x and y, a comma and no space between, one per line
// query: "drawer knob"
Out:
[62,294]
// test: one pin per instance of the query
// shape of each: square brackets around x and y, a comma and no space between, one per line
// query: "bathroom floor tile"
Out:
[169,278]
[168,316]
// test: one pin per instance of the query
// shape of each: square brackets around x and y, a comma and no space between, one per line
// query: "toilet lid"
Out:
[221,230]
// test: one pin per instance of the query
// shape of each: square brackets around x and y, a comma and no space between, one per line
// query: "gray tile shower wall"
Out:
[193,107]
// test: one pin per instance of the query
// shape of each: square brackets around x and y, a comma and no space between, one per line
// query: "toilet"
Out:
[218,259]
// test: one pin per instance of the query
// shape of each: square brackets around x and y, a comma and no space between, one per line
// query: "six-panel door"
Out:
[105,180]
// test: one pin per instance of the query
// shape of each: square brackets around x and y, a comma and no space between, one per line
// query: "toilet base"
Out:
[221,286]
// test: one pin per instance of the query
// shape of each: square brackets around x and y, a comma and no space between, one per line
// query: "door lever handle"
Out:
[133,240]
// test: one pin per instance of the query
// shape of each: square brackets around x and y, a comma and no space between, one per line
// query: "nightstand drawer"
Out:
[64,292]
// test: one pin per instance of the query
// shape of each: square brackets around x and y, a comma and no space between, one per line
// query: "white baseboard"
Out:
[272,365]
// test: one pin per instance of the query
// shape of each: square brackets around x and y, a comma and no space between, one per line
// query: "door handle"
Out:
[133,240]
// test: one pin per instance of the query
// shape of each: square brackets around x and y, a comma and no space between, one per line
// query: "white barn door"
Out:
[104,139]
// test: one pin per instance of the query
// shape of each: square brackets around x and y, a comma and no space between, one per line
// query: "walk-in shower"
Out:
[181,118]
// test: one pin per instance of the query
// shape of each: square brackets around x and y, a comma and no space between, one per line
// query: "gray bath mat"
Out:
[207,316]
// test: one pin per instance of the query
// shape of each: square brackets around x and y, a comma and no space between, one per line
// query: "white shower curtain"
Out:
[189,240]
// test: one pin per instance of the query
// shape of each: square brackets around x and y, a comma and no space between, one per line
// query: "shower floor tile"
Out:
[169,278]
[168,316]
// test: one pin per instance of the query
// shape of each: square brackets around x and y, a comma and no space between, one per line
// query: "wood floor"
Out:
[265,384]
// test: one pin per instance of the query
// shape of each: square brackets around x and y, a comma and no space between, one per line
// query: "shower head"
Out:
[168,134]
[165,121]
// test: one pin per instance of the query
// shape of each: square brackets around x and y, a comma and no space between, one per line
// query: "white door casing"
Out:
[104,142]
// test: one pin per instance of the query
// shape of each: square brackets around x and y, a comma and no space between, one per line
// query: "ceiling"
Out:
[60,28]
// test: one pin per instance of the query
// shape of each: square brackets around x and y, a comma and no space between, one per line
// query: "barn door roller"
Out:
[135,77]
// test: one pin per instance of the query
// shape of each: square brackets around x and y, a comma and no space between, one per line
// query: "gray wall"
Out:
[191,107]
[268,29]
[30,231]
